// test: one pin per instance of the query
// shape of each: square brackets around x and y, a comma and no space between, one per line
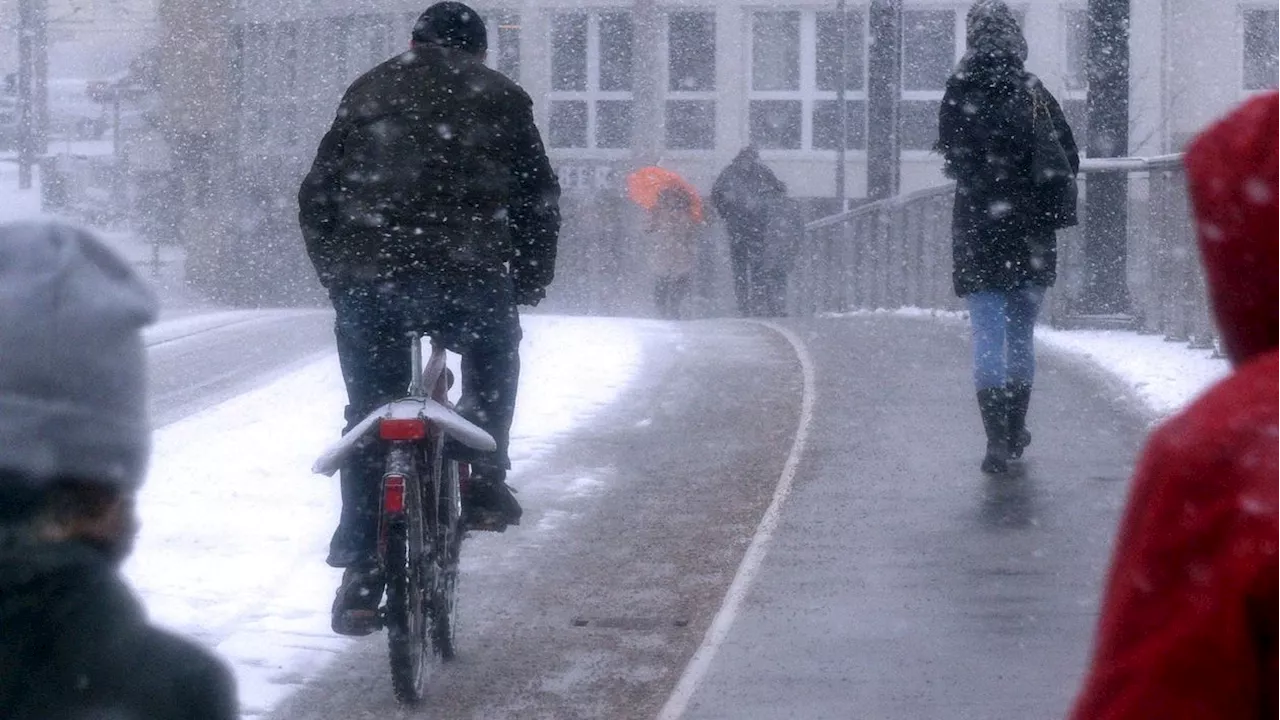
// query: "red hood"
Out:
[1231,170]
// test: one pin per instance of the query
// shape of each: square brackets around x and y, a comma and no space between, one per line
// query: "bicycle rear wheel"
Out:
[448,544]
[408,581]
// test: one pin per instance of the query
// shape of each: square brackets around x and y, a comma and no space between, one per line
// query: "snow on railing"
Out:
[897,252]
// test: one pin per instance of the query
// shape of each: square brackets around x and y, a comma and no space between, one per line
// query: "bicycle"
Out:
[420,520]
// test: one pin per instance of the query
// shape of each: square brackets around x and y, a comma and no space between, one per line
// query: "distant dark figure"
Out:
[784,233]
[1188,627]
[745,195]
[1009,148]
[674,226]
[431,207]
[74,442]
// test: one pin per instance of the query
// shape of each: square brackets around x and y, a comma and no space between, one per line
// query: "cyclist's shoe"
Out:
[355,609]
[490,503]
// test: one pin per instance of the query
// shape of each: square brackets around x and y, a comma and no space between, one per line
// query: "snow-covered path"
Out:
[236,527]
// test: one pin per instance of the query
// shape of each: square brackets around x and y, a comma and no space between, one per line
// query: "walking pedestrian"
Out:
[74,439]
[1188,626]
[743,195]
[675,228]
[1007,145]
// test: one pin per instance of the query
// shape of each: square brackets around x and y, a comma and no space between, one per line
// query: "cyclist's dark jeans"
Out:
[476,318]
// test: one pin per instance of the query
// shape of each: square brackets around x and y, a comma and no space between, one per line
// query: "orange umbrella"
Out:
[644,186]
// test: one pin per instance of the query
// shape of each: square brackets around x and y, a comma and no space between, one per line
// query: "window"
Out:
[504,43]
[1260,48]
[591,80]
[928,49]
[286,92]
[691,81]
[929,55]
[1075,49]
[796,61]
[257,51]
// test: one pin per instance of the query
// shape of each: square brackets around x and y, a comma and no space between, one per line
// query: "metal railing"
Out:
[896,253]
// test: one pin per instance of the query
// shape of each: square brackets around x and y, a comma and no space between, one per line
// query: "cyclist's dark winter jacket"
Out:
[433,165]
[75,645]
[985,134]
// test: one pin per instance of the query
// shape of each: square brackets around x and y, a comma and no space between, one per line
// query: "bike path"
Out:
[634,524]
[900,582]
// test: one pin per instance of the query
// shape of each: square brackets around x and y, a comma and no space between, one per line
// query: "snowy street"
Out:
[647,454]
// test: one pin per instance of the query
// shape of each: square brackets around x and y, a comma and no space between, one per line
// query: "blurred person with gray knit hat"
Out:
[74,442]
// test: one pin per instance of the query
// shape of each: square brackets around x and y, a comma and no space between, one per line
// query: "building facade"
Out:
[88,39]
[686,83]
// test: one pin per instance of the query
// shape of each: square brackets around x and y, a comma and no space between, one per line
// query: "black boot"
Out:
[1019,394]
[355,607]
[993,403]
[488,503]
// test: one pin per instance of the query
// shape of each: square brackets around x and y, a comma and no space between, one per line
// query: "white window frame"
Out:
[808,94]
[593,94]
[1241,10]
[668,94]
[1069,92]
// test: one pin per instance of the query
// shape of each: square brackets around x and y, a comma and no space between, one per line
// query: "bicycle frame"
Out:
[419,525]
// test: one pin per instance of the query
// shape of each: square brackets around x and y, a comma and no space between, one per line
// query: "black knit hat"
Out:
[451,25]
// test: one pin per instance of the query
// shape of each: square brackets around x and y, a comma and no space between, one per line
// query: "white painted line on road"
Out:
[697,668]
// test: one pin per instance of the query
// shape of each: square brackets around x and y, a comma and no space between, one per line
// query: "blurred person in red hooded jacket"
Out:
[1188,626]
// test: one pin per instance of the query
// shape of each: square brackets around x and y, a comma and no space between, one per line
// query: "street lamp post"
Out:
[842,23]
[884,88]
[1106,198]
[32,94]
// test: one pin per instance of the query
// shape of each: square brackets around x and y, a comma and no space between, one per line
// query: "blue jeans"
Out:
[1003,323]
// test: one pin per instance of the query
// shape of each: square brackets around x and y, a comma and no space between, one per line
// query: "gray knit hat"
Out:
[992,29]
[73,385]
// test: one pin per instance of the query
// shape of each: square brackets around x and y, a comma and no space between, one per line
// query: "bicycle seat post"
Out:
[415,357]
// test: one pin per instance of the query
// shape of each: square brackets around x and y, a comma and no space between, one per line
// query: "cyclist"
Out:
[431,206]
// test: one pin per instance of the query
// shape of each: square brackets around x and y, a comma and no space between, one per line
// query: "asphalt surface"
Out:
[197,360]
[900,582]
[590,608]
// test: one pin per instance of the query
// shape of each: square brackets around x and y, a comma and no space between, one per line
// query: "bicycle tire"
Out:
[448,546]
[407,590]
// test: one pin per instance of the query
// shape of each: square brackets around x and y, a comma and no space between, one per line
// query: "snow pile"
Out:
[1165,375]
[16,204]
[236,527]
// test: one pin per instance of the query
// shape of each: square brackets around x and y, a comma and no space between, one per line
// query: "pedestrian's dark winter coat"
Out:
[1000,240]
[744,194]
[433,165]
[1188,627]
[75,645]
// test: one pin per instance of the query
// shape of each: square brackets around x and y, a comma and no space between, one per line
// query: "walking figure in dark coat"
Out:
[745,195]
[1009,148]
[431,207]
[74,439]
